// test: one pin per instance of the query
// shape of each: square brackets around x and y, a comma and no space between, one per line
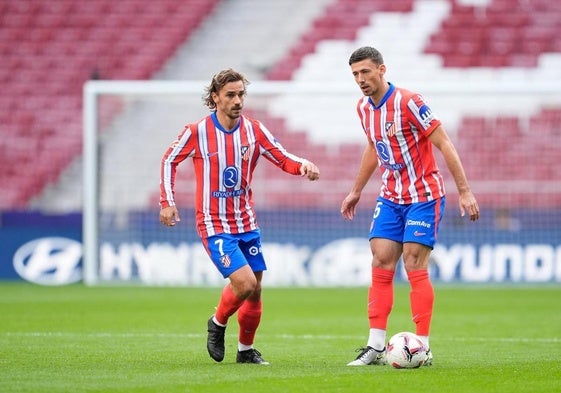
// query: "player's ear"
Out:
[382,69]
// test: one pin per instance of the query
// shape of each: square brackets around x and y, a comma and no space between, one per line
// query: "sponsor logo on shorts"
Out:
[254,250]
[417,233]
[418,223]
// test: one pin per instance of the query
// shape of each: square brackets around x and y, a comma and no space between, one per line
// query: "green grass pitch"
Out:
[138,339]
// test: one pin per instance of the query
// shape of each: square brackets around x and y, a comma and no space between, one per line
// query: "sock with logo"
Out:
[249,317]
[228,305]
[422,300]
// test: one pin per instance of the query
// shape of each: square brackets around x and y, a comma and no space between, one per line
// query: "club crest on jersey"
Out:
[390,128]
[246,152]
[225,261]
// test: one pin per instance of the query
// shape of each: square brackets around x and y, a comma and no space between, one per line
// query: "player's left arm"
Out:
[309,169]
[467,201]
[273,151]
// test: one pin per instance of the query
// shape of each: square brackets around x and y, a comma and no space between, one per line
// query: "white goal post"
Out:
[95,88]
[325,111]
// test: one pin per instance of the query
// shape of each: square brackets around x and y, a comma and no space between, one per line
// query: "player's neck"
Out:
[226,121]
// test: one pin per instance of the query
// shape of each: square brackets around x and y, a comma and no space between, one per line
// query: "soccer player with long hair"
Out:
[225,147]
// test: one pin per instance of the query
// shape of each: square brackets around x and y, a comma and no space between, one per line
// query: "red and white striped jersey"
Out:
[224,161]
[399,128]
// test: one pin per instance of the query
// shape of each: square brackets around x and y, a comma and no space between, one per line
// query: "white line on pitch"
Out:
[283,336]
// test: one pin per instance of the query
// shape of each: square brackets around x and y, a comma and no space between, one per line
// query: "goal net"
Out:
[508,139]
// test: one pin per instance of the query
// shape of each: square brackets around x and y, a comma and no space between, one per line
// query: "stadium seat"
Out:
[341,20]
[497,34]
[508,33]
[50,48]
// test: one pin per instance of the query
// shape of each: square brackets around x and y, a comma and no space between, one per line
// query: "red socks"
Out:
[422,300]
[228,305]
[249,316]
[380,298]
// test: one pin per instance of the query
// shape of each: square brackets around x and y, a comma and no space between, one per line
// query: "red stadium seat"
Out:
[341,20]
[508,34]
[50,48]
[529,155]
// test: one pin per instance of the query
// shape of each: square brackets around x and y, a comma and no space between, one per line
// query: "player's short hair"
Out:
[218,81]
[366,52]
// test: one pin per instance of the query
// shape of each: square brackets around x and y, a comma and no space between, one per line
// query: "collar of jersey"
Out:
[219,126]
[385,98]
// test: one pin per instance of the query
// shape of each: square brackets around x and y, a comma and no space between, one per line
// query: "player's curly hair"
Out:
[219,80]
[366,52]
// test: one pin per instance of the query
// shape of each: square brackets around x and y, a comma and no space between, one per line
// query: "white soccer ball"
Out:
[406,350]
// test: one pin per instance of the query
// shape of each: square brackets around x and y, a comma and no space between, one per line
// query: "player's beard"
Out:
[235,112]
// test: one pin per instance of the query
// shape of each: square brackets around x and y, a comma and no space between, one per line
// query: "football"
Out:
[406,350]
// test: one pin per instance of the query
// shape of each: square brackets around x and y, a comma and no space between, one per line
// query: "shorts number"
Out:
[377,209]
[220,243]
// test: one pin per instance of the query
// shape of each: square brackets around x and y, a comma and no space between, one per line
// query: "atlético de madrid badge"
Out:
[390,128]
[246,152]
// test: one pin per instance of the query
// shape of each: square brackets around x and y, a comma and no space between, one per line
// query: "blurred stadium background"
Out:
[490,68]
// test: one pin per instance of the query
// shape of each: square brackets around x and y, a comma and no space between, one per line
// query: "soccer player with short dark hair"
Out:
[401,131]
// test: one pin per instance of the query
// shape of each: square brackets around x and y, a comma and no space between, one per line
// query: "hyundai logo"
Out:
[49,261]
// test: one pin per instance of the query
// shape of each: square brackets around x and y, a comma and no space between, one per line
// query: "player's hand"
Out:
[348,206]
[310,170]
[468,204]
[169,216]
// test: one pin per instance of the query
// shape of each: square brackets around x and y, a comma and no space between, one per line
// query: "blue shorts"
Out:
[229,252]
[415,222]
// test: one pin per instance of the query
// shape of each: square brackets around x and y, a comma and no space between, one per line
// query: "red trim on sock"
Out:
[422,300]
[380,298]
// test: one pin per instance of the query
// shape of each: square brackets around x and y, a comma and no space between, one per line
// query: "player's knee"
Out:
[415,261]
[246,288]
[416,256]
[381,262]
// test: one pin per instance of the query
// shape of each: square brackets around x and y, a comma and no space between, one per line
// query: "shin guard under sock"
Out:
[422,300]
[380,298]
[249,317]
[228,305]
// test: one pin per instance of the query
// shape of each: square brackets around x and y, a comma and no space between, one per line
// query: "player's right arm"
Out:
[368,164]
[179,150]
[169,215]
